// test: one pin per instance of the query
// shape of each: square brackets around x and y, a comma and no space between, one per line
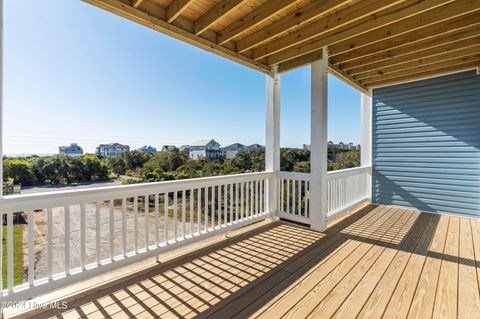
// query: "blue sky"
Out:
[75,73]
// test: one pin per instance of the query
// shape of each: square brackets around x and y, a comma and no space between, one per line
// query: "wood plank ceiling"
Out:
[371,43]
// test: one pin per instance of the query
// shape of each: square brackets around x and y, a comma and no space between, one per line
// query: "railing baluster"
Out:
[219,212]
[299,197]
[257,197]
[206,209]
[247,199]
[225,204]
[294,208]
[165,218]
[237,189]
[231,203]
[307,199]
[252,198]
[10,270]
[66,238]
[49,244]
[183,213]
[83,240]
[98,233]
[262,196]
[280,207]
[157,233]
[199,210]
[191,211]
[288,197]
[175,216]
[242,191]
[112,230]
[135,224]
[146,207]
[124,227]
[31,250]
[213,207]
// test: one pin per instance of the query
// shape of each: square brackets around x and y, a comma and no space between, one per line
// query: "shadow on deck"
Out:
[380,261]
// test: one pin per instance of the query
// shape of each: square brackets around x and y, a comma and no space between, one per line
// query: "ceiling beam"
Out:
[252,19]
[438,43]
[136,3]
[408,37]
[446,38]
[300,61]
[432,17]
[215,14]
[449,49]
[293,20]
[475,58]
[325,25]
[120,8]
[378,45]
[370,23]
[425,74]
[176,8]
[347,79]
[419,62]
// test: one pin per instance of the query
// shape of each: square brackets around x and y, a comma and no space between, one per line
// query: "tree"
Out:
[19,171]
[117,164]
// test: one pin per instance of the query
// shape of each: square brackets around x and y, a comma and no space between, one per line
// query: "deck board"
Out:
[379,262]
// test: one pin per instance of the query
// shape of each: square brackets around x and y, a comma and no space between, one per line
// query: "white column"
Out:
[319,140]
[366,137]
[272,139]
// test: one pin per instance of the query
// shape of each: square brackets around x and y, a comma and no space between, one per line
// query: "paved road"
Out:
[52,188]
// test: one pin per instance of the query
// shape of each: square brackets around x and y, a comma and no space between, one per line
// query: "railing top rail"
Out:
[348,171]
[71,197]
[294,175]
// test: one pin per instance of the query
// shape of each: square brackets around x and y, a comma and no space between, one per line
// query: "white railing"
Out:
[293,197]
[72,235]
[346,189]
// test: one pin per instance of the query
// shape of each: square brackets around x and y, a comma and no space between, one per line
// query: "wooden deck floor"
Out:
[380,262]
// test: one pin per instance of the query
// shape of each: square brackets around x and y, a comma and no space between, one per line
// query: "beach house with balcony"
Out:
[206,149]
[112,149]
[72,149]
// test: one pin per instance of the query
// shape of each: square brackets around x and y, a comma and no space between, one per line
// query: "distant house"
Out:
[185,148]
[147,149]
[72,149]
[206,149]
[306,147]
[232,150]
[255,147]
[112,149]
[168,148]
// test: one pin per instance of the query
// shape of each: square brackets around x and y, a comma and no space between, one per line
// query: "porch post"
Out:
[366,138]
[272,139]
[318,141]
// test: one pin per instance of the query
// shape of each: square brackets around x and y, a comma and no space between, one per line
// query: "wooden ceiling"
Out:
[371,43]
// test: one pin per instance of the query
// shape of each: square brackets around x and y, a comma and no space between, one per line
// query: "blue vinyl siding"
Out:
[426,144]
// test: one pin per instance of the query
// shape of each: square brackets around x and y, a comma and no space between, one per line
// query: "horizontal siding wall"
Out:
[426,144]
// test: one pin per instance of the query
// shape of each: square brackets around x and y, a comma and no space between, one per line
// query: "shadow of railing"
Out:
[244,271]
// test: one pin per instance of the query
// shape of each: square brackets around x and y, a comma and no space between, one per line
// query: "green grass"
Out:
[17,255]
